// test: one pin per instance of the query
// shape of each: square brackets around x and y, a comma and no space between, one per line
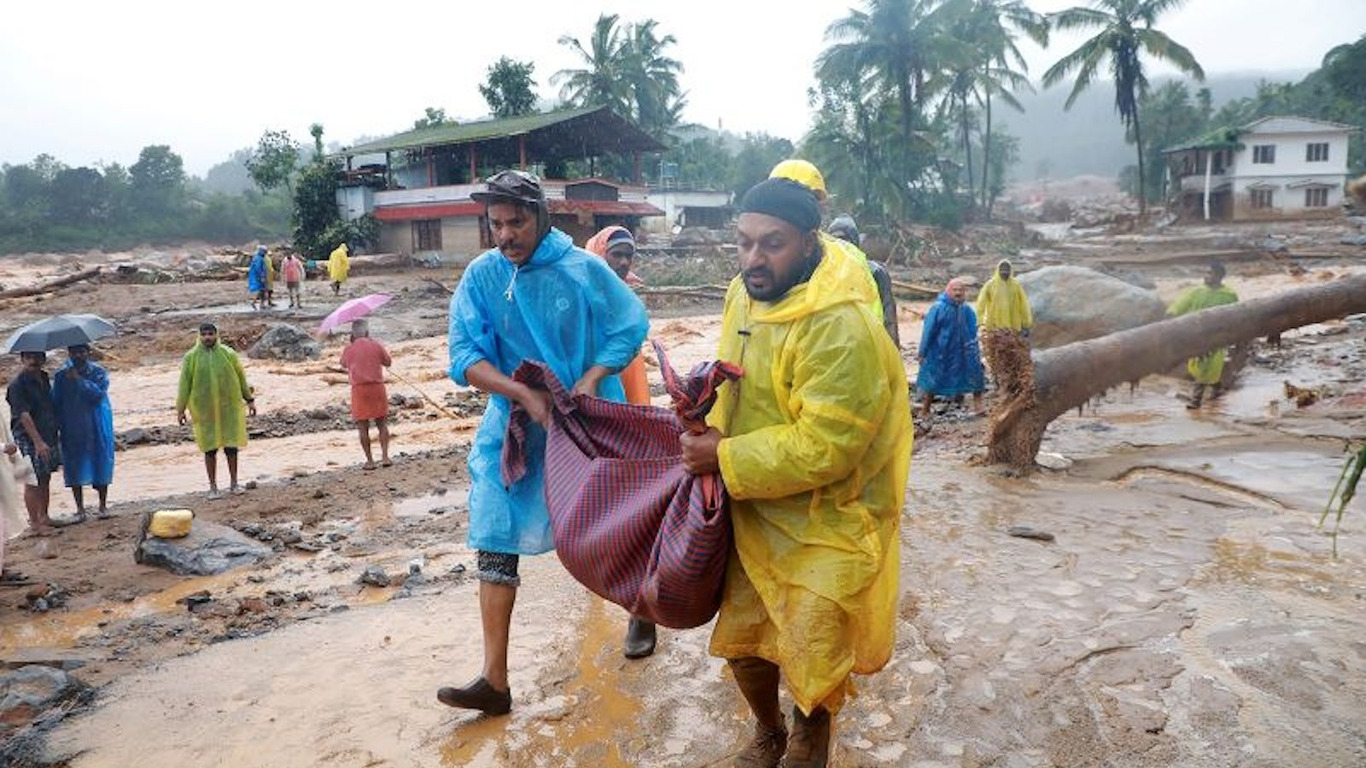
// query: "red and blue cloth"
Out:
[629,522]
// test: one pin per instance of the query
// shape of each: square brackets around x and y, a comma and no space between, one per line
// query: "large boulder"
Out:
[209,549]
[1075,303]
[282,341]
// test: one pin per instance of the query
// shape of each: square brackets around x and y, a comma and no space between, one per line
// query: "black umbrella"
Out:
[58,332]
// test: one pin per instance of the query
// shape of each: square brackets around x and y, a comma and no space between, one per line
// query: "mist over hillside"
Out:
[1089,139]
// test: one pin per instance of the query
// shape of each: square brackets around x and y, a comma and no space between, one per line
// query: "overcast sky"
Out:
[96,81]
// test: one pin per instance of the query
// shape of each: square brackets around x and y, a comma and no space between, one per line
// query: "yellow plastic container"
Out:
[171,523]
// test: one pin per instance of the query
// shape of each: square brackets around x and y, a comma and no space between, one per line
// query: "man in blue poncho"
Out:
[256,278]
[534,297]
[80,396]
[950,362]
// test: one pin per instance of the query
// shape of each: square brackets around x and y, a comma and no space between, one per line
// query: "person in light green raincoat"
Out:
[1207,369]
[214,388]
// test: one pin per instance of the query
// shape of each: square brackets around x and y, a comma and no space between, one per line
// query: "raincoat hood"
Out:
[839,279]
[551,249]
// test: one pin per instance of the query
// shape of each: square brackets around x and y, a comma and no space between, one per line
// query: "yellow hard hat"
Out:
[803,173]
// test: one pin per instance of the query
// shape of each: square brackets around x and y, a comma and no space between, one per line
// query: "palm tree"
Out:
[602,81]
[998,21]
[1125,33]
[897,42]
[653,78]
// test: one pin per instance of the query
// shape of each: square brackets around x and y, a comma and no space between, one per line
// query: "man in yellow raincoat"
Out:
[844,234]
[214,388]
[338,268]
[1207,369]
[814,445]
[1005,319]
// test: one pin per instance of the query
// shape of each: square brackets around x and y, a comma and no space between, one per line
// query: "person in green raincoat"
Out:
[214,388]
[1207,369]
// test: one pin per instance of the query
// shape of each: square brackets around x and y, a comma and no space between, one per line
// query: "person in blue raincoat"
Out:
[534,297]
[256,278]
[80,397]
[950,362]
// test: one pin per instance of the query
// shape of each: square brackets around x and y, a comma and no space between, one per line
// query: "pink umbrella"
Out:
[354,309]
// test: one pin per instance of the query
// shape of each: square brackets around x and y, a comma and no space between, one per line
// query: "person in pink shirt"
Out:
[293,272]
[365,360]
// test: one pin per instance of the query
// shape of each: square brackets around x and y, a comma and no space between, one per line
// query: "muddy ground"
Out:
[1189,612]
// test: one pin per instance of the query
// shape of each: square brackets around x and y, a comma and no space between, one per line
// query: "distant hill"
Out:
[1088,139]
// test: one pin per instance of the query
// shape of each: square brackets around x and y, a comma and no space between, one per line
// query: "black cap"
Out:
[511,186]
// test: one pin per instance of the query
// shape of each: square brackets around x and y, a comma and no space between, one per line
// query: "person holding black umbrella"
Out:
[34,423]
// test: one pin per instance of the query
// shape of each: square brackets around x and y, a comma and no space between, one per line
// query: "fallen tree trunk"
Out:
[51,285]
[1067,377]
[916,291]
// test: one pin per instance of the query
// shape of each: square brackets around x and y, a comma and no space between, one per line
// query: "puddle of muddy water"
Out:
[59,629]
[593,716]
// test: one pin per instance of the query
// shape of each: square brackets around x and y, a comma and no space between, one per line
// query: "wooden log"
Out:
[51,285]
[1068,376]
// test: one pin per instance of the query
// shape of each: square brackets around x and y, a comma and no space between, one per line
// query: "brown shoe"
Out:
[810,743]
[765,750]
[480,695]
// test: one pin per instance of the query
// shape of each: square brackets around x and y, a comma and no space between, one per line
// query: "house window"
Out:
[1264,153]
[427,235]
[1218,169]
[1317,153]
[1316,197]
[1261,198]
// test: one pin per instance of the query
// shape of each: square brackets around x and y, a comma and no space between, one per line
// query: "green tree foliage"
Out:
[1332,92]
[433,117]
[880,74]
[759,152]
[158,180]
[628,69]
[700,163]
[509,88]
[272,164]
[315,210]
[47,206]
[78,197]
[1124,33]
[1172,117]
[316,131]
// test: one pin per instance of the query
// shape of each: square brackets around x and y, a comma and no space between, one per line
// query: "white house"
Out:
[688,208]
[1270,168]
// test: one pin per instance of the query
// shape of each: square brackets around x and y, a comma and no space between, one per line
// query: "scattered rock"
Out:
[1359,239]
[252,605]
[45,597]
[1303,396]
[282,341]
[29,691]
[251,485]
[1075,303]
[65,659]
[196,598]
[1272,245]
[209,549]
[1054,461]
[374,576]
[1025,532]
[136,436]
